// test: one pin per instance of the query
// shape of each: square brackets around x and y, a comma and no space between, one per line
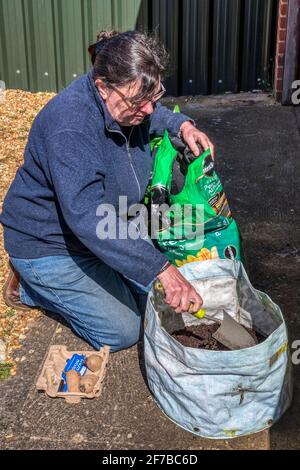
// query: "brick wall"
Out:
[280,47]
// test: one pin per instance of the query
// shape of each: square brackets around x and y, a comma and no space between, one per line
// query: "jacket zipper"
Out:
[129,156]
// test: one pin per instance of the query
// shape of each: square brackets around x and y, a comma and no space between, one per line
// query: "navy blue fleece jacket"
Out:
[77,158]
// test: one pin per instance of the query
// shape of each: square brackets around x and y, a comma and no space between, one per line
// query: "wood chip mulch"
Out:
[17,111]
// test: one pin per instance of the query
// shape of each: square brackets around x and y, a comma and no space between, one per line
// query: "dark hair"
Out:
[122,58]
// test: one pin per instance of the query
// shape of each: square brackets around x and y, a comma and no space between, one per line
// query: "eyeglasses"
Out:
[138,104]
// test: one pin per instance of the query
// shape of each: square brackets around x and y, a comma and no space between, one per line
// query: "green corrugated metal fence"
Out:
[215,45]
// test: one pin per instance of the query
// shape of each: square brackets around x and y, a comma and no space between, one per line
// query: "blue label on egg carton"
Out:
[76,362]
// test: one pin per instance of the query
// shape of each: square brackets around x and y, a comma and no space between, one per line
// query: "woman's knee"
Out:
[129,337]
[119,337]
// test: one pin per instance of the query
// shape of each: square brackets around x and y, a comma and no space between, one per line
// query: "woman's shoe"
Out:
[10,291]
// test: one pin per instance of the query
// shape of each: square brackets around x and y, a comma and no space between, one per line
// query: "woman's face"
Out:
[119,102]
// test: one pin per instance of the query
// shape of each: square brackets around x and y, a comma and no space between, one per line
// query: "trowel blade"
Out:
[233,335]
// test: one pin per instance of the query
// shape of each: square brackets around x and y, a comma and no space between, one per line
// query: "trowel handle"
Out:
[159,288]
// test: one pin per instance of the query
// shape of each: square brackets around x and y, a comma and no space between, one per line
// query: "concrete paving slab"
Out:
[125,416]
[15,390]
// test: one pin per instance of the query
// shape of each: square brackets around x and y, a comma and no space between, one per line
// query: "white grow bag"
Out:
[220,394]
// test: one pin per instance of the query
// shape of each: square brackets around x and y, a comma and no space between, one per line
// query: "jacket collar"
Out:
[109,121]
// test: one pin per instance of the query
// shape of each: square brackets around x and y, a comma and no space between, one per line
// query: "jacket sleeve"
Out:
[164,119]
[78,177]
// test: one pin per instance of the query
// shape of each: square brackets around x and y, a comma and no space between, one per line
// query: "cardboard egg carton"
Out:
[50,377]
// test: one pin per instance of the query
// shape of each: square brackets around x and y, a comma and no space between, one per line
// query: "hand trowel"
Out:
[230,333]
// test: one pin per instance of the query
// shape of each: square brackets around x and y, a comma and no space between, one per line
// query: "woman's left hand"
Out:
[192,136]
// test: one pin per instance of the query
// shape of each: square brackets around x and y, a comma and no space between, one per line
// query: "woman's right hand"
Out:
[179,293]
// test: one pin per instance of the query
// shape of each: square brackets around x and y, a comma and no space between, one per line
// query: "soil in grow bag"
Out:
[200,336]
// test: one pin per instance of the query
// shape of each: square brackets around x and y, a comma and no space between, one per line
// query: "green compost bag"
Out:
[181,180]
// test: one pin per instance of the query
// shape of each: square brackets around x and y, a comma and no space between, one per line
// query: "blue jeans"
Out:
[101,305]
